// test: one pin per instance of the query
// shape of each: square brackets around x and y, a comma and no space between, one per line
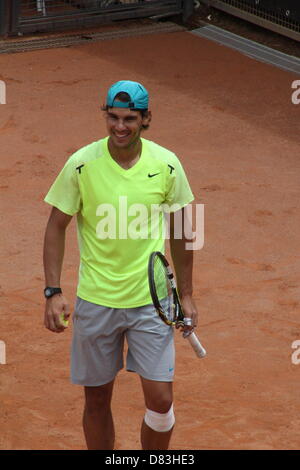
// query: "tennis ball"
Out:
[62,320]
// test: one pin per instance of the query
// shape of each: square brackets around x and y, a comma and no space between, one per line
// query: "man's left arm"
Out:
[182,258]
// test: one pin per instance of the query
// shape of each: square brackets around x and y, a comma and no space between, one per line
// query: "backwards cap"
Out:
[139,97]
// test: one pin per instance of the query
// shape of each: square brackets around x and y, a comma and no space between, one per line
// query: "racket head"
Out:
[162,288]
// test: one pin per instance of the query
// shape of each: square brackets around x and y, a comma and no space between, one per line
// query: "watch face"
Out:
[48,292]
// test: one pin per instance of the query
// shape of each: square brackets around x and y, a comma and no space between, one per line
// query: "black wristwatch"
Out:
[50,291]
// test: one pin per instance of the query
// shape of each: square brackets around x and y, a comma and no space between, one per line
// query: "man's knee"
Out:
[158,395]
[98,398]
[161,404]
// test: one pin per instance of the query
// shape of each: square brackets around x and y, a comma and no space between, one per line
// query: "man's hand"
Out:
[190,312]
[56,306]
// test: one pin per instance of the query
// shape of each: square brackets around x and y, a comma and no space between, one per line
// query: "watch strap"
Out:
[50,291]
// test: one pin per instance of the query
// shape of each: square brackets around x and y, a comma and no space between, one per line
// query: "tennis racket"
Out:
[165,298]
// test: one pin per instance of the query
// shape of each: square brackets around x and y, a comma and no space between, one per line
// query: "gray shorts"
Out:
[98,344]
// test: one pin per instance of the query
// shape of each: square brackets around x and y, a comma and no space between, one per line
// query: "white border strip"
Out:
[250,48]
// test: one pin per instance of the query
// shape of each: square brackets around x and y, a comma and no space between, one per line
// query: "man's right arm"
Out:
[54,248]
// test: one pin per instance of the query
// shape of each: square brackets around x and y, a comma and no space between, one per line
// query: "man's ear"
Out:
[147,118]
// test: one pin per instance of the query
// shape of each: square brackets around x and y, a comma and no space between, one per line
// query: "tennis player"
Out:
[112,186]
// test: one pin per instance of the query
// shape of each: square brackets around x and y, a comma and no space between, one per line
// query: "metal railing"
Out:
[266,13]
[48,15]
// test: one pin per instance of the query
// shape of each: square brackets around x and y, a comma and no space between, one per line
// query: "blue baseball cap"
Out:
[139,97]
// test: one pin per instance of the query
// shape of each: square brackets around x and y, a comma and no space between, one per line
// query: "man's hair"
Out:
[125,98]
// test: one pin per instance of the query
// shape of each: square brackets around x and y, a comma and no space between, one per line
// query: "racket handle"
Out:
[196,345]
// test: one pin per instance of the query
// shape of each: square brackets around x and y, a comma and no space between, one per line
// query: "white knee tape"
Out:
[160,422]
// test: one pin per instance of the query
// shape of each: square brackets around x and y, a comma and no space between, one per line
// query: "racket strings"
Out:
[164,289]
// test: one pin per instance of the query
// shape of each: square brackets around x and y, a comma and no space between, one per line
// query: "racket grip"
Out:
[196,345]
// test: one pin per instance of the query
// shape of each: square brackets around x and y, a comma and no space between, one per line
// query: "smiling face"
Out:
[124,126]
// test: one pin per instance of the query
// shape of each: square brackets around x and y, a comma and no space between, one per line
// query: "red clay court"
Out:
[231,121]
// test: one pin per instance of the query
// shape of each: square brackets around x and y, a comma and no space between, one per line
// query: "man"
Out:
[105,184]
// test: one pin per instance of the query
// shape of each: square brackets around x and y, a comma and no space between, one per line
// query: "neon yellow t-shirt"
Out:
[120,220]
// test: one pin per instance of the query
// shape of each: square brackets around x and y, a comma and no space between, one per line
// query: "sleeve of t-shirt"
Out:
[64,192]
[178,190]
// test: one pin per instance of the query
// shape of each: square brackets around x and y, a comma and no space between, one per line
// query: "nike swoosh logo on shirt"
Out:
[154,174]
